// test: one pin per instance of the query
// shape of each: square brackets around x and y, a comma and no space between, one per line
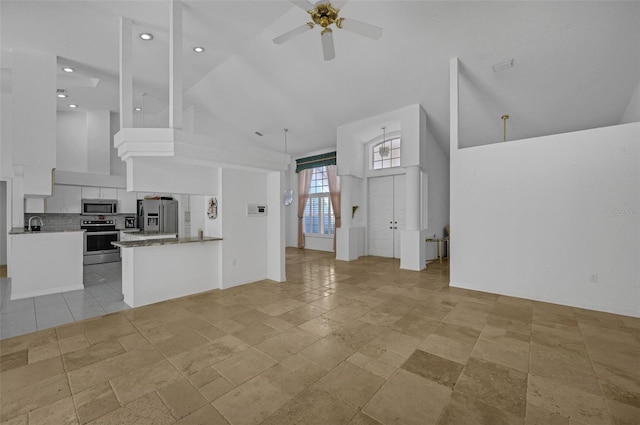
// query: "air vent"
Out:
[61,91]
[503,66]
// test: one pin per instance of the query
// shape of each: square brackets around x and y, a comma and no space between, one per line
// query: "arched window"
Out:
[386,154]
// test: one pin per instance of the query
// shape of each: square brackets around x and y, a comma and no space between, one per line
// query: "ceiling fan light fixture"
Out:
[324,14]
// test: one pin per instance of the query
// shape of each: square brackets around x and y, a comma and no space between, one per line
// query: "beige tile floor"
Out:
[339,343]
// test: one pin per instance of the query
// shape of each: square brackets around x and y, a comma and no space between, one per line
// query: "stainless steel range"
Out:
[97,241]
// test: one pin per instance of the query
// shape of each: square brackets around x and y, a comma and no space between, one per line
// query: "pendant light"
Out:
[504,125]
[384,149]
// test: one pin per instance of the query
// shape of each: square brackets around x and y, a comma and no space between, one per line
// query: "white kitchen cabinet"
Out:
[90,192]
[108,193]
[66,199]
[34,205]
[72,199]
[127,202]
[93,192]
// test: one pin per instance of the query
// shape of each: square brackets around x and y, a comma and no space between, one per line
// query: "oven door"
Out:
[96,243]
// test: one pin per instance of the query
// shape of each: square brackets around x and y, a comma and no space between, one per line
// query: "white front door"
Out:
[386,215]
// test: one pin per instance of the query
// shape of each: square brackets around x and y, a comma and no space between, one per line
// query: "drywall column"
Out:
[275,228]
[454,110]
[175,65]
[126,73]
[413,197]
[412,245]
[344,234]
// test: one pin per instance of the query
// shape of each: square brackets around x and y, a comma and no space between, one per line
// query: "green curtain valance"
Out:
[315,161]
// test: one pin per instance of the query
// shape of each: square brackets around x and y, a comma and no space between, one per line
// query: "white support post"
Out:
[175,65]
[454,99]
[126,73]
[413,197]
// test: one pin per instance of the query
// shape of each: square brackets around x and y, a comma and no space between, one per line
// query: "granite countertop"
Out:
[22,231]
[166,241]
[153,233]
[129,230]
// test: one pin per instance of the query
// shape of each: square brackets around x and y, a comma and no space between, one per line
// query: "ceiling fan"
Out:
[323,13]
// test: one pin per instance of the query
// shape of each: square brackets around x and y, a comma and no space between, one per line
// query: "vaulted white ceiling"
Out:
[576,64]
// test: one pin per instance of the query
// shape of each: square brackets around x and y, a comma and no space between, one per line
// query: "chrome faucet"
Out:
[39,218]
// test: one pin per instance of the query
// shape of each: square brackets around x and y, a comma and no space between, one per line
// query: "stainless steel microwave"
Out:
[99,206]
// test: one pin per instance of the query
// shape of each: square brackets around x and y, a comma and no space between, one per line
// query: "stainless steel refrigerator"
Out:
[160,215]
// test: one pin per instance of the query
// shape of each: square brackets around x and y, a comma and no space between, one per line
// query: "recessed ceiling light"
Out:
[146,36]
[198,49]
[73,105]
[137,108]
[67,69]
[61,95]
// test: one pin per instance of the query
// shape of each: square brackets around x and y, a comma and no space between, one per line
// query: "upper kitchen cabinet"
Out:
[66,199]
[90,192]
[127,202]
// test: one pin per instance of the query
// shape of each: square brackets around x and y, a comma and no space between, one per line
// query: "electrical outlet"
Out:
[594,278]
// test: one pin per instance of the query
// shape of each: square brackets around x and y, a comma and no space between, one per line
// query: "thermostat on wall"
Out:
[256,210]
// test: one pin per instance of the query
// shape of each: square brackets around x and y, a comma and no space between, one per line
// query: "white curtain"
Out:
[304,183]
[334,194]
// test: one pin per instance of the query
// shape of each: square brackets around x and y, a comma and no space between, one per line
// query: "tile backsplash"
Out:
[72,221]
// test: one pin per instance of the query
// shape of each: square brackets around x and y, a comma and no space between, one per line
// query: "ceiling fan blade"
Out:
[303,4]
[293,33]
[361,28]
[328,50]
[339,4]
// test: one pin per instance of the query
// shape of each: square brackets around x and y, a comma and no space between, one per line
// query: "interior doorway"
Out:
[386,215]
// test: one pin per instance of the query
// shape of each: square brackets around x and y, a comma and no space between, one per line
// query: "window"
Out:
[386,154]
[318,214]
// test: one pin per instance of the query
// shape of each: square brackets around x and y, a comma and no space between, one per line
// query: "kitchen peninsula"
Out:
[45,262]
[155,270]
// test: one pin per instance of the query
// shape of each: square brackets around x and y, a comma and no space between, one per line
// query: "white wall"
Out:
[543,218]
[99,141]
[244,245]
[436,193]
[6,136]
[71,146]
[3,222]
[84,141]
[632,113]
[34,108]
[117,166]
